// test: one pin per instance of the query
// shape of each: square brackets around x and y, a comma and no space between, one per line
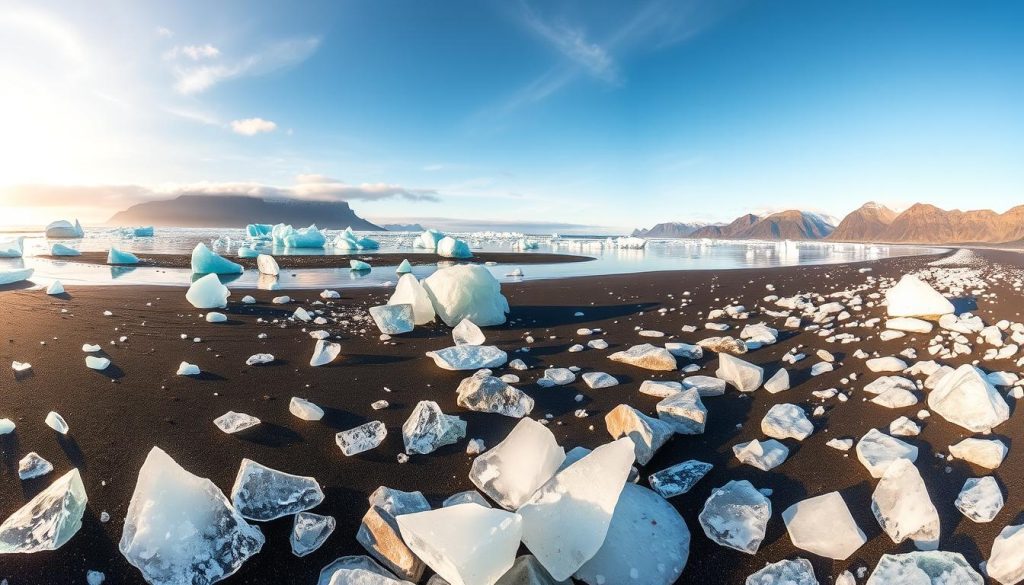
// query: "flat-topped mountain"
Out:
[672,229]
[233,211]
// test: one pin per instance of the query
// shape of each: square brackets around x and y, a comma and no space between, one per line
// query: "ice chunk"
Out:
[466,497]
[886,364]
[646,356]
[764,455]
[208,293]
[924,568]
[362,438]
[824,526]
[261,493]
[968,399]
[685,350]
[357,564]
[744,376]
[1006,563]
[786,421]
[484,393]
[556,377]
[55,288]
[647,542]
[410,291]
[735,516]
[143,231]
[187,369]
[467,544]
[467,333]
[785,572]
[305,409]
[404,268]
[62,250]
[324,352]
[181,529]
[362,577]
[17,275]
[310,531]
[32,466]
[779,382]
[912,297]
[428,429]
[513,470]
[359,266]
[215,317]
[232,422]
[428,240]
[909,324]
[704,385]
[987,453]
[468,357]
[63,228]
[684,411]
[115,256]
[565,522]
[527,570]
[266,264]
[379,532]
[48,520]
[466,292]
[877,451]
[14,248]
[289,237]
[679,478]
[393,319]
[7,426]
[597,380]
[259,358]
[97,363]
[56,422]
[980,499]
[902,507]
[450,247]
[647,434]
[206,261]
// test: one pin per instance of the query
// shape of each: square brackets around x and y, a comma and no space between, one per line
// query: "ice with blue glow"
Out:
[206,261]
[116,256]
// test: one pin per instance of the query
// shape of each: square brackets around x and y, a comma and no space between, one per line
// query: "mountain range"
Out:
[784,225]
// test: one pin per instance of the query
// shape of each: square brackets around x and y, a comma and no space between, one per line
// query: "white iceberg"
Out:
[208,293]
[63,250]
[824,526]
[450,247]
[63,228]
[466,292]
[14,248]
[428,240]
[968,399]
[912,297]
[410,291]
[16,275]
[266,264]
[48,520]
[515,468]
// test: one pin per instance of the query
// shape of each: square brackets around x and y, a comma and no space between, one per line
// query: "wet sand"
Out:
[289,262]
[116,416]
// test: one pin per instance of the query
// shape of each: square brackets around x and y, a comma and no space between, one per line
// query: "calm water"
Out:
[609,258]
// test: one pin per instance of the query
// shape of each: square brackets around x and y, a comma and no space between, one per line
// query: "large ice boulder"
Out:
[736,516]
[349,241]
[513,469]
[410,291]
[824,526]
[206,261]
[466,544]
[289,237]
[903,508]
[744,376]
[116,257]
[16,275]
[912,297]
[647,542]
[877,451]
[450,247]
[428,240]
[63,228]
[258,230]
[48,520]
[13,248]
[181,529]
[1006,563]
[466,292]
[968,399]
[208,293]
[565,522]
[266,264]
[925,568]
[428,428]
[261,493]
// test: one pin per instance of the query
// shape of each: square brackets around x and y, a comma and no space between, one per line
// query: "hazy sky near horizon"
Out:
[617,114]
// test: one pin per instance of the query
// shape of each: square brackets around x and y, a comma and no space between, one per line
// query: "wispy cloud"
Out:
[572,42]
[252,126]
[164,33]
[193,52]
[197,78]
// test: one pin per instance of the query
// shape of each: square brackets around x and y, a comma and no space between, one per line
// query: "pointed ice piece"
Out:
[902,507]
[206,261]
[356,563]
[208,293]
[735,516]
[646,433]
[409,291]
[877,450]
[744,376]
[924,568]
[911,297]
[181,529]
[468,357]
[466,497]
[427,429]
[684,411]
[32,466]
[404,268]
[261,493]
[55,288]
[824,526]
[786,421]
[467,333]
[379,532]
[324,352]
[48,520]
[646,356]
[362,438]
[779,382]
[57,423]
[466,544]
[516,467]
[310,531]
[393,319]
[785,572]
[116,256]
[647,542]
[63,250]
[232,422]
[764,455]
[968,399]
[484,393]
[565,522]
[266,264]
[678,479]
[466,292]
[980,499]
[305,409]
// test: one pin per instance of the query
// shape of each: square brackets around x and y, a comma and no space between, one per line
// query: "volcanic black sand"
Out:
[118,415]
[335,261]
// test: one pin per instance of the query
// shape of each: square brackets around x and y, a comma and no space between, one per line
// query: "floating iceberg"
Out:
[410,291]
[466,292]
[12,248]
[428,240]
[289,237]
[736,515]
[516,467]
[181,529]
[259,230]
[62,250]
[359,266]
[117,257]
[468,357]
[968,399]
[428,429]
[348,240]
[208,293]
[912,297]
[63,228]
[143,232]
[261,493]
[18,275]
[206,261]
[450,247]
[48,520]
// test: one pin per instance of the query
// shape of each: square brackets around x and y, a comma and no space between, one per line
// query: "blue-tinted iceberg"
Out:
[206,261]
[208,293]
[289,237]
[63,228]
[116,256]
[12,276]
[258,230]
[450,247]
[12,248]
[143,232]
[348,240]
[62,250]
[428,240]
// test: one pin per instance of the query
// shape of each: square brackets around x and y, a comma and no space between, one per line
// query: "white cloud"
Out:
[193,79]
[573,44]
[164,33]
[193,52]
[252,126]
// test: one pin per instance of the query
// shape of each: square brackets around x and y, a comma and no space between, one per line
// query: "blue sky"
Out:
[610,114]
